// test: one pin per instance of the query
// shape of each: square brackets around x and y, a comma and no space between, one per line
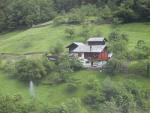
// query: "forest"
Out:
[23,14]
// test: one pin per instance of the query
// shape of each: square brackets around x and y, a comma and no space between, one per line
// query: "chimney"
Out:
[90,48]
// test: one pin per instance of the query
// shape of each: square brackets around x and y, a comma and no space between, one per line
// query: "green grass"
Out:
[41,39]
[57,94]
[54,94]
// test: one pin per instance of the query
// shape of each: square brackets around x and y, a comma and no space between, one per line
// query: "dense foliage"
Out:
[106,97]
[55,72]
[15,104]
[134,61]
[110,98]
[19,13]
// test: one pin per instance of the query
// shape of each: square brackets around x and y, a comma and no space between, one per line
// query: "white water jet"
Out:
[31,88]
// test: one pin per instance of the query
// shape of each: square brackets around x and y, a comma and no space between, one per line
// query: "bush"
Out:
[67,64]
[75,19]
[8,67]
[109,107]
[105,15]
[27,69]
[71,88]
[70,106]
[86,10]
[116,66]
[99,20]
[57,50]
[140,68]
[57,78]
[60,20]
[93,99]
[109,89]
[70,33]
[75,64]
[92,85]
[136,93]
[13,104]
[85,32]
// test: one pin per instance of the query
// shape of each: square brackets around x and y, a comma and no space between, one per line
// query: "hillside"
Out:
[56,94]
[74,56]
[42,38]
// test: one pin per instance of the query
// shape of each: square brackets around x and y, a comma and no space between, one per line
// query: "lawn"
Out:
[43,38]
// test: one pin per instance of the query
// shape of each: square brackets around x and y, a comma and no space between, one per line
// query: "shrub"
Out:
[109,89]
[49,66]
[60,20]
[93,99]
[92,85]
[75,19]
[70,106]
[67,64]
[105,15]
[109,107]
[116,66]
[140,68]
[27,69]
[12,104]
[116,21]
[58,78]
[9,67]
[71,88]
[99,20]
[57,50]
[136,92]
[75,64]
[86,10]
[70,33]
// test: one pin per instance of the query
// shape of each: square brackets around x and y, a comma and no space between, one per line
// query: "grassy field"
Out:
[41,39]
[56,94]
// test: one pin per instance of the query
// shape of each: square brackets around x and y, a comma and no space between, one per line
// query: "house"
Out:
[94,52]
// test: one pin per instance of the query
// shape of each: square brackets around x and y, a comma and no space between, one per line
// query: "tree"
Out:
[74,18]
[57,50]
[115,65]
[85,32]
[70,33]
[142,50]
[118,45]
[106,14]
[20,13]
[28,69]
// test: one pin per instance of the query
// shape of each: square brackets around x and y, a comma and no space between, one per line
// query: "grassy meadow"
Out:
[56,94]
[42,38]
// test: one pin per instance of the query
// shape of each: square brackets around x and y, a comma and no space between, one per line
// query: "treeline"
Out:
[20,13]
